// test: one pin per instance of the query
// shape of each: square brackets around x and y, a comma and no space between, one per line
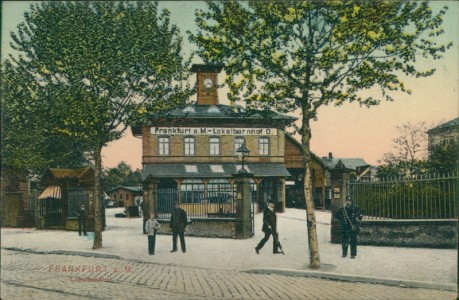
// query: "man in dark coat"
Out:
[178,224]
[349,216]
[82,220]
[269,228]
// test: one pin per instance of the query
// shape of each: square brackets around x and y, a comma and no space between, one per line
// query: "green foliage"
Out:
[409,197]
[290,54]
[301,55]
[122,175]
[85,71]
[444,159]
[29,143]
[410,156]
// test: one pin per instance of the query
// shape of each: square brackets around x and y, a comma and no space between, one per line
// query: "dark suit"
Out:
[178,225]
[269,228]
[350,218]
[82,221]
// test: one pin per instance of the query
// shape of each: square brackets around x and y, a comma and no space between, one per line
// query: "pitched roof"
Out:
[350,163]
[134,189]
[447,125]
[69,173]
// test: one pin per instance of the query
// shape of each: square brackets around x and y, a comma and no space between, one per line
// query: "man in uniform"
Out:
[349,216]
[178,224]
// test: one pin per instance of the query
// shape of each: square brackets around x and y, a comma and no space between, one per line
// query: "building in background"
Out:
[443,134]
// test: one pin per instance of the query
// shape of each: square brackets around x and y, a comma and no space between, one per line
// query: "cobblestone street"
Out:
[39,276]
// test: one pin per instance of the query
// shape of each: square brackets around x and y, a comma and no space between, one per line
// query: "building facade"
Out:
[190,155]
[443,134]
[126,196]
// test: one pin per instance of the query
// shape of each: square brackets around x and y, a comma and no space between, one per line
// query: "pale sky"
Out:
[348,131]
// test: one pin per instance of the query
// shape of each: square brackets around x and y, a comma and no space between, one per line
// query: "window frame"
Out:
[263,148]
[237,147]
[212,146]
[161,145]
[187,146]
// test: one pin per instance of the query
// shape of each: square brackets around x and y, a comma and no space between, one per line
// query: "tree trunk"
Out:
[310,215]
[98,200]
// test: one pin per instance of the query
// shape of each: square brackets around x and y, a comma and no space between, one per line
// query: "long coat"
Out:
[178,220]
[350,217]
[269,219]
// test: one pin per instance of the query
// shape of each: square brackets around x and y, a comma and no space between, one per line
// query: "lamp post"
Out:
[243,198]
[242,153]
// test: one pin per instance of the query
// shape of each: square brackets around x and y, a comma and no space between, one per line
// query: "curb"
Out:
[282,272]
[354,278]
[65,252]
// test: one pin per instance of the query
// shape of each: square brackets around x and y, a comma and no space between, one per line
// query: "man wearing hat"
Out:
[349,216]
[178,224]
[269,228]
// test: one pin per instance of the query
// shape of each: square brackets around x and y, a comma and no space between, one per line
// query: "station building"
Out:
[190,154]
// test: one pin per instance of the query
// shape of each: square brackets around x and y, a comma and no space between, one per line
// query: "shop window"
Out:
[190,146]
[192,191]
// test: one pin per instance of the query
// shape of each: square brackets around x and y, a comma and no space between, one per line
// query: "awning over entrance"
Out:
[52,191]
[211,170]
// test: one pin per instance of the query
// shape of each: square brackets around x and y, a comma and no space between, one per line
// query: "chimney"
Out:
[330,156]
[207,82]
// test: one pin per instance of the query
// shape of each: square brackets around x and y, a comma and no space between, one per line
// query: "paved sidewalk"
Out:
[410,267]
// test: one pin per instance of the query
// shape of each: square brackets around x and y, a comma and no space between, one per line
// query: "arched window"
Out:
[188,110]
[213,110]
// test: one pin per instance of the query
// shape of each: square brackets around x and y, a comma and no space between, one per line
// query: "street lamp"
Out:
[242,153]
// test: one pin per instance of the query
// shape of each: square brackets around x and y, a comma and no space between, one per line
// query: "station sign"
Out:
[212,131]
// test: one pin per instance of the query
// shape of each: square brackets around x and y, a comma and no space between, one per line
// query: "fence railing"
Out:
[196,203]
[431,196]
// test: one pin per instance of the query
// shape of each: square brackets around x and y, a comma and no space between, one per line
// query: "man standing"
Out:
[82,220]
[151,227]
[269,228]
[349,216]
[178,225]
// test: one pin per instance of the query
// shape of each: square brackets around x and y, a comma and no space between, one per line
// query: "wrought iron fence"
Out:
[197,204]
[431,196]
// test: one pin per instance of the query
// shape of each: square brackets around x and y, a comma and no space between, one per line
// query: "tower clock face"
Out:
[208,83]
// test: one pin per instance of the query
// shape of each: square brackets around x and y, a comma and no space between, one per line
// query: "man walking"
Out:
[269,228]
[151,227]
[82,220]
[349,216]
[178,224]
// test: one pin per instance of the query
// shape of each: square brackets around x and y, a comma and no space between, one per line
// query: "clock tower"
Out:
[207,81]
